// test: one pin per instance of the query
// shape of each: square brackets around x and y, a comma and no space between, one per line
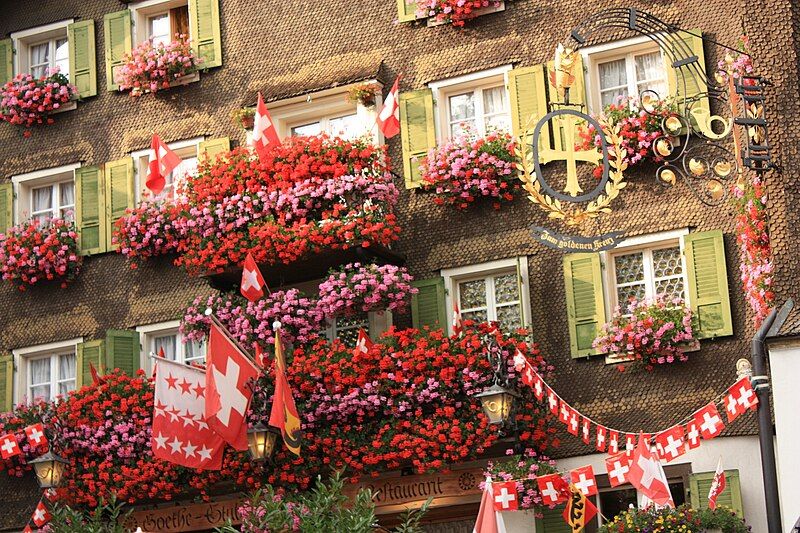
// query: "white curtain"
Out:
[613,81]
[650,73]
[40,378]
[462,113]
[168,343]
[66,373]
[42,203]
[40,59]
[495,109]
[62,56]
[195,351]
[67,199]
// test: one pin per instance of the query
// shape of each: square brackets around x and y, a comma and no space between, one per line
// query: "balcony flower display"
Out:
[653,332]
[524,469]
[27,101]
[683,518]
[34,252]
[406,402]
[456,12]
[152,67]
[357,288]
[466,169]
[153,228]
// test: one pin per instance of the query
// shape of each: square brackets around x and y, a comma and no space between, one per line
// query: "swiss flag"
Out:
[489,520]
[180,433]
[252,286]
[630,441]
[40,515]
[529,376]
[35,435]
[717,485]
[647,475]
[572,425]
[613,442]
[600,438]
[458,328]
[520,362]
[363,344]
[583,479]
[552,401]
[740,398]
[9,446]
[708,421]
[586,427]
[692,435]
[162,162]
[670,444]
[264,132]
[505,496]
[564,412]
[27,529]
[618,466]
[553,489]
[389,118]
[229,378]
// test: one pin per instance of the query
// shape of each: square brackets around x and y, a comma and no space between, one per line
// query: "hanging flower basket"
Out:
[27,101]
[466,169]
[150,67]
[32,253]
[363,93]
[152,229]
[357,288]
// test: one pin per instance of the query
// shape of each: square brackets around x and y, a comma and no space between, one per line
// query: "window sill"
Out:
[431,21]
[693,346]
[69,106]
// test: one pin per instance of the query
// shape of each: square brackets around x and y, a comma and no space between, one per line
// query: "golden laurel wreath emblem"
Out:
[553,206]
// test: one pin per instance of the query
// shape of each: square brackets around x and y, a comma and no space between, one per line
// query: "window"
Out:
[186,150]
[345,126]
[159,20]
[475,103]
[624,69]
[345,328]
[166,337]
[45,372]
[40,50]
[495,291]
[45,194]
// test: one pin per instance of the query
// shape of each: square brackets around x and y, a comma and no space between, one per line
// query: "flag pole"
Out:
[210,314]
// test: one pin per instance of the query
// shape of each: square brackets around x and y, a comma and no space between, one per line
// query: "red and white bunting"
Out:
[553,489]
[670,444]
[505,496]
[708,421]
[552,401]
[647,475]
[692,435]
[740,398]
[586,428]
[583,478]
[9,447]
[41,515]
[618,466]
[600,438]
[574,422]
[613,442]
[35,435]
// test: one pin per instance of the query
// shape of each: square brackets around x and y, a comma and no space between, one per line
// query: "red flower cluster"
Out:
[455,12]
[26,100]
[408,401]
[149,230]
[31,253]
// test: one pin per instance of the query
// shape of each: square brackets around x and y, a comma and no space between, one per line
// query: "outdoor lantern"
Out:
[261,440]
[49,470]
[497,402]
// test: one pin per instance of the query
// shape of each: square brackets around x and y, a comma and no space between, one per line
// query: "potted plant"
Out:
[152,67]
[27,101]
[357,288]
[655,520]
[244,117]
[363,93]
[722,520]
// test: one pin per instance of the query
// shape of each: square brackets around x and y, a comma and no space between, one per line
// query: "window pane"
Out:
[477,316]
[506,288]
[307,129]
[347,328]
[670,288]
[195,351]
[39,59]
[66,192]
[509,318]
[168,343]
[158,28]
[62,56]
[346,127]
[40,371]
[630,292]
[649,66]
[629,268]
[472,294]
[66,366]
[494,100]
[462,107]
[667,262]
[41,392]
[612,74]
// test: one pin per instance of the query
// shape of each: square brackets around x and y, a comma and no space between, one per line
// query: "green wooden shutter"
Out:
[528,94]
[89,352]
[417,132]
[6,383]
[406,10]
[90,210]
[6,60]
[707,277]
[552,521]
[6,206]
[700,485]
[694,87]
[120,194]
[204,31]
[118,42]
[586,313]
[427,306]
[577,95]
[211,147]
[122,350]
[82,59]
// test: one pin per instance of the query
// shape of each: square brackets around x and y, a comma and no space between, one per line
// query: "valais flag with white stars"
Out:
[180,434]
[229,374]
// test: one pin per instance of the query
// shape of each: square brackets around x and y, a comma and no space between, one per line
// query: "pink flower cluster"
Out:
[151,229]
[650,331]
[151,67]
[464,169]
[524,469]
[455,12]
[26,100]
[740,64]
[357,288]
[32,252]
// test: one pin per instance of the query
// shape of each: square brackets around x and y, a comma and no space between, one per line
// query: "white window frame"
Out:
[22,356]
[148,333]
[141,158]
[23,185]
[453,276]
[23,40]
[321,106]
[627,48]
[443,89]
[144,10]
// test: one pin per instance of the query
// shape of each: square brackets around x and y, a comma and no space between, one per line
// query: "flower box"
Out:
[27,101]
[685,347]
[150,67]
[440,18]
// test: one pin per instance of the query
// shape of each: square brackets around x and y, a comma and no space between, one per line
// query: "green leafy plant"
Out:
[363,93]
[723,518]
[106,517]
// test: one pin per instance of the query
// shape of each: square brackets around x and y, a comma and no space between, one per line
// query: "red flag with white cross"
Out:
[552,401]
[389,118]
[229,377]
[505,495]
[583,479]
[564,412]
[613,442]
[647,475]
[618,466]
[708,421]
[41,515]
[252,286]
[363,344]
[600,438]
[180,433]
[264,131]
[458,327]
[692,435]
[553,489]
[162,161]
[9,447]
[670,444]
[574,422]
[740,398]
[35,435]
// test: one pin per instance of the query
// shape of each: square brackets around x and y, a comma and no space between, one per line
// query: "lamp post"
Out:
[261,441]
[49,470]
[497,403]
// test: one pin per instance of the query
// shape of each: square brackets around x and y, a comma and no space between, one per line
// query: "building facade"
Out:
[303,57]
